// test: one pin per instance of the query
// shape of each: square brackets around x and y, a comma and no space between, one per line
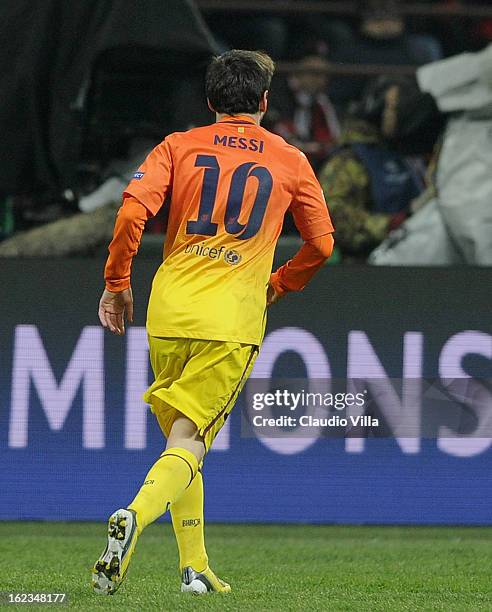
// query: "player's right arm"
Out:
[142,199]
[313,221]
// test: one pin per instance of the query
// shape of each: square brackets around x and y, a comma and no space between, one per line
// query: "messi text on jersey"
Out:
[239,142]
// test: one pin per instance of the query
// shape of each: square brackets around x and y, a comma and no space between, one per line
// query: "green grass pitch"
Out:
[326,568]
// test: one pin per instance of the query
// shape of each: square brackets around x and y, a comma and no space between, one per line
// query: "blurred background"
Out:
[392,103]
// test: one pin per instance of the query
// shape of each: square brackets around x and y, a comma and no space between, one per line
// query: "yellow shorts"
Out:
[198,378]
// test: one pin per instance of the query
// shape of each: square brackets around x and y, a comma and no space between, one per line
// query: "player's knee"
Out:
[184,434]
[183,427]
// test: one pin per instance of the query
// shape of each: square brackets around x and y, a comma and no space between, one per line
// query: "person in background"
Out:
[267,31]
[380,34]
[306,116]
[369,180]
[453,224]
[381,19]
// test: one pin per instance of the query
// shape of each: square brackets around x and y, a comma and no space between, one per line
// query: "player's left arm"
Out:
[312,219]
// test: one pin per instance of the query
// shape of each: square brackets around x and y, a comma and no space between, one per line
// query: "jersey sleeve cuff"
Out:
[276,284]
[116,286]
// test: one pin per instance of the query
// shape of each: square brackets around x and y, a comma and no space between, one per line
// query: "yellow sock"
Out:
[165,482]
[187,515]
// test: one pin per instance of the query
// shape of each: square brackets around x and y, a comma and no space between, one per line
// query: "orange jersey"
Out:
[230,185]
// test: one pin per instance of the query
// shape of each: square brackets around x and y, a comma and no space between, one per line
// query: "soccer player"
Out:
[229,186]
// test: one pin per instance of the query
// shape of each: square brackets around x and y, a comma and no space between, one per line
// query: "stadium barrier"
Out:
[76,439]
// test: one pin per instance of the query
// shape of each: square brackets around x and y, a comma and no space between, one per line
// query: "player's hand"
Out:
[113,307]
[272,295]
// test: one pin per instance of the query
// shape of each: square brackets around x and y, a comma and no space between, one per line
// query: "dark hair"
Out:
[371,106]
[418,119]
[236,81]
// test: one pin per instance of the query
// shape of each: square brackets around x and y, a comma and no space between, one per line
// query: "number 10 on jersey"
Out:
[204,226]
